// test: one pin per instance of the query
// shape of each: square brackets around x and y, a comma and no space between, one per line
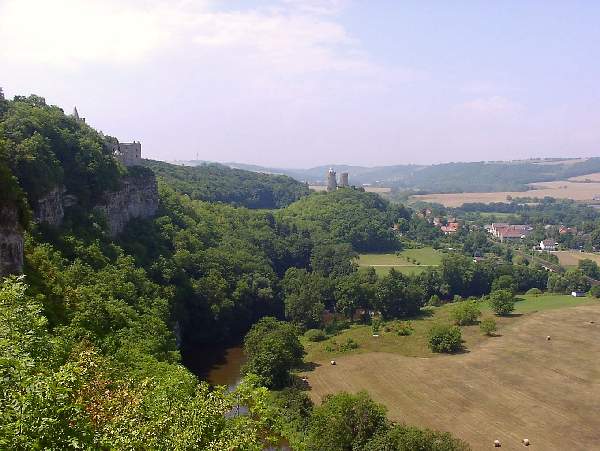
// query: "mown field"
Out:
[415,345]
[571,258]
[561,189]
[512,386]
[408,261]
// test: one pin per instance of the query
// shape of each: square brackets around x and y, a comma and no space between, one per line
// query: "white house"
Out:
[547,245]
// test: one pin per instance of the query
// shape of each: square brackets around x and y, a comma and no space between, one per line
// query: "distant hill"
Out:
[447,177]
[218,183]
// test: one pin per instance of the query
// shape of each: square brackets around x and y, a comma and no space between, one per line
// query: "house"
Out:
[548,245]
[563,230]
[510,234]
[578,294]
[452,227]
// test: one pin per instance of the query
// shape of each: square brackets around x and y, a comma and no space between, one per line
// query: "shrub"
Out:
[534,292]
[315,335]
[350,344]
[405,329]
[445,338]
[502,302]
[465,313]
[336,327]
[457,298]
[488,326]
[595,291]
[375,326]
[434,301]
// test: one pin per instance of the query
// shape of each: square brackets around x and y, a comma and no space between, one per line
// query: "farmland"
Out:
[508,387]
[576,189]
[571,258]
[407,261]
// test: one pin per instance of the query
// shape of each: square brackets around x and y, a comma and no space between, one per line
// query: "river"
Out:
[216,365]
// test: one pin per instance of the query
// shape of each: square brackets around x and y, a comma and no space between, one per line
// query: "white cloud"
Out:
[70,32]
[294,36]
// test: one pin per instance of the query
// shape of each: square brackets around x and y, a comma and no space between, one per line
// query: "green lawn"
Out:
[409,261]
[415,345]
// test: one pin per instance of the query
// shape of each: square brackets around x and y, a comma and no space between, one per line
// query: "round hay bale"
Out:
[526,442]
[548,338]
[497,444]
[333,362]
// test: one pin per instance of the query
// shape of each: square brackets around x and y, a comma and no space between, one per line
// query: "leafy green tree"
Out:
[272,349]
[410,438]
[395,297]
[445,338]
[589,268]
[465,313]
[504,282]
[344,422]
[502,302]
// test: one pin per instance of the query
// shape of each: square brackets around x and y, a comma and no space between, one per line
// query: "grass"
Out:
[409,261]
[571,258]
[514,385]
[415,345]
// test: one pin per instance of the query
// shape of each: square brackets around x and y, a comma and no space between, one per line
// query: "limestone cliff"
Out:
[11,240]
[50,208]
[137,198]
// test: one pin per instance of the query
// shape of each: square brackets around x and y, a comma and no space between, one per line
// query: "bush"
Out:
[488,326]
[465,313]
[595,291]
[434,301]
[534,292]
[405,329]
[315,335]
[457,298]
[502,302]
[445,338]
[336,327]
[375,326]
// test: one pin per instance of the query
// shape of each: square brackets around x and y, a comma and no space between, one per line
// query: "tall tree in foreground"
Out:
[273,349]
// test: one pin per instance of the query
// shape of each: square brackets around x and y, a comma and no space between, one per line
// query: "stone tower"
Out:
[75,115]
[344,180]
[331,180]
[1,93]
[130,154]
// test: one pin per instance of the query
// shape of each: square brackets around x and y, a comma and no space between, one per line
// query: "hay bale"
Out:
[497,444]
[526,442]
[548,338]
[333,362]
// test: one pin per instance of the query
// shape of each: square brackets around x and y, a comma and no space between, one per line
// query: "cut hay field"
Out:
[407,262]
[571,258]
[561,189]
[513,386]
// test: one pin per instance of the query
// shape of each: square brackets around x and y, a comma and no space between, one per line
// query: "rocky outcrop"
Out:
[137,198]
[11,240]
[50,208]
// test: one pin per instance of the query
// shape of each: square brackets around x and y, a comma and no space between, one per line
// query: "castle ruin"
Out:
[344,180]
[130,154]
[331,180]
[332,183]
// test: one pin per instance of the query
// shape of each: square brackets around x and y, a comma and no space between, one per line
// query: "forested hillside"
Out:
[218,183]
[452,177]
[91,332]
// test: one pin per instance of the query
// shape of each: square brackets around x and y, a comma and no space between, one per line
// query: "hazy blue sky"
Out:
[300,83]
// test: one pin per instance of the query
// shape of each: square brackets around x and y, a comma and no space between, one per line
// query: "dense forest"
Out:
[90,334]
[218,183]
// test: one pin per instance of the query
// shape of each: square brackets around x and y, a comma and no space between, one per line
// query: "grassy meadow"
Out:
[415,344]
[409,261]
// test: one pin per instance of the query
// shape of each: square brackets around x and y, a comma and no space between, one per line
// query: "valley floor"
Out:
[513,386]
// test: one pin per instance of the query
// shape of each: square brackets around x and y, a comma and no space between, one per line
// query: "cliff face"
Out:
[137,198]
[11,240]
[50,208]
